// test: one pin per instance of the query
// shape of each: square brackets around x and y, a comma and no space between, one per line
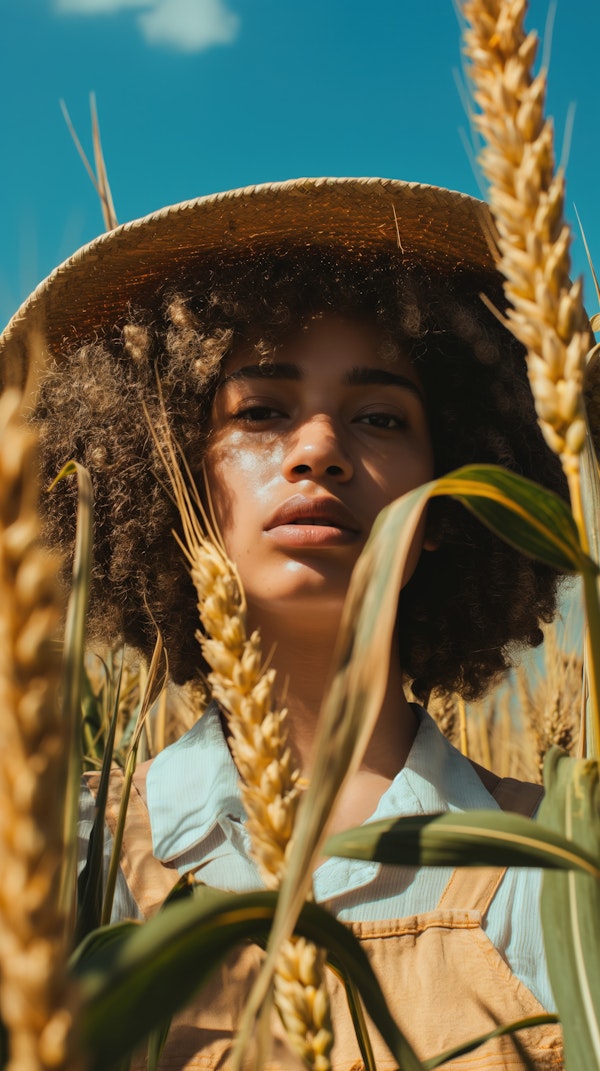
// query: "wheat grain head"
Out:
[35,998]
[527,201]
[243,687]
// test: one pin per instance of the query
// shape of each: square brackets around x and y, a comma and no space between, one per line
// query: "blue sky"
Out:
[201,95]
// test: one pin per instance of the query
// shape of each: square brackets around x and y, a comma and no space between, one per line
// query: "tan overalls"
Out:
[444,980]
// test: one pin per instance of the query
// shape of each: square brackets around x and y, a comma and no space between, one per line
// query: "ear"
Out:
[429,543]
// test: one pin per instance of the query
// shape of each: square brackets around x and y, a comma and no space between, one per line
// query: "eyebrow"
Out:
[356,377]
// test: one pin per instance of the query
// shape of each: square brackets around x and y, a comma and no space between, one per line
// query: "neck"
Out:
[302,657]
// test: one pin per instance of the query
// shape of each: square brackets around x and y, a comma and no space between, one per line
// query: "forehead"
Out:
[326,345]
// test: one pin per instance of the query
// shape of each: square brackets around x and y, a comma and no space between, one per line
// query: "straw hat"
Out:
[94,287]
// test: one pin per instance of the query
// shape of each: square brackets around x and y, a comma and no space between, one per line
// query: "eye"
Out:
[383,421]
[257,414]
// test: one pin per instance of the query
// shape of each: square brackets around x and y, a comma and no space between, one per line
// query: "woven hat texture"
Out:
[94,288]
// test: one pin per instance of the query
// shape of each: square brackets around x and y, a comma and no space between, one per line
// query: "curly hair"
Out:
[468,606]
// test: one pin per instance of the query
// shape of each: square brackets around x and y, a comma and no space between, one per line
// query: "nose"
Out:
[316,451]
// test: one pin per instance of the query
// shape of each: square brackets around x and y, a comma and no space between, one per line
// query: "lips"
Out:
[306,521]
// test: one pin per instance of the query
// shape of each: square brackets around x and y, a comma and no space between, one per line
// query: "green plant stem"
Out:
[146,702]
[115,857]
[358,1016]
[592,608]
[73,677]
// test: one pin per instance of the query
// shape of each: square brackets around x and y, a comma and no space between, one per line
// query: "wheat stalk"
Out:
[270,789]
[443,708]
[552,701]
[518,725]
[35,999]
[527,200]
[243,688]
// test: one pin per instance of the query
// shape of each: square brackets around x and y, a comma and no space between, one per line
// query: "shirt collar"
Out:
[436,777]
[192,785]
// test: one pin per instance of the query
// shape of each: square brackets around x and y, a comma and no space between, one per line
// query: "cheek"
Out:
[238,481]
[407,470]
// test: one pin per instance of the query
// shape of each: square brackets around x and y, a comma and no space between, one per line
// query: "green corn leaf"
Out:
[134,976]
[469,838]
[532,518]
[92,725]
[184,889]
[349,711]
[358,1018]
[90,881]
[73,667]
[571,907]
[78,602]
[529,517]
[156,1044]
[94,944]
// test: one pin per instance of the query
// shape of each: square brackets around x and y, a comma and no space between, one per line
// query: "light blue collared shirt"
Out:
[197,821]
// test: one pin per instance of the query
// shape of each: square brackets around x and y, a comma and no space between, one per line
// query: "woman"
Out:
[321,348]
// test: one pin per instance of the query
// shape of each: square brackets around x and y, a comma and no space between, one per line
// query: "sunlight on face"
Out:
[305,451]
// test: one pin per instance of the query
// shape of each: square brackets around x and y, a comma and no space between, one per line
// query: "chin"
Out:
[312,595]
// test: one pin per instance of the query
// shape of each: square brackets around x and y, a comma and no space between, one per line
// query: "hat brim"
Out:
[125,266]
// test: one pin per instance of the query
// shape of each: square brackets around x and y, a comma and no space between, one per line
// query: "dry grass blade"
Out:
[511,730]
[36,1003]
[269,787]
[444,710]
[106,200]
[552,702]
[154,686]
[99,178]
[589,259]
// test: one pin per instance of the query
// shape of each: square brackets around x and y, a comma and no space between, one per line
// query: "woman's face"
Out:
[305,450]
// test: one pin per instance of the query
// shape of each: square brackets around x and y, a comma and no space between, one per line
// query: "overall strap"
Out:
[474,888]
[149,880]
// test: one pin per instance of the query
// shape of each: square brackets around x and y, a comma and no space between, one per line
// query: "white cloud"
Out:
[187,25]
